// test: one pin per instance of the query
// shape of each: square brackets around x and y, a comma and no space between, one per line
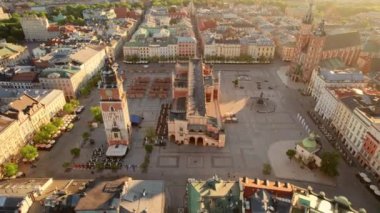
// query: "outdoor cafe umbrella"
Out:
[367,180]
[363,175]
[377,192]
[373,187]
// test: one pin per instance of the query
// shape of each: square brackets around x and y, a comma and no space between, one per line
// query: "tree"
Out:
[236,82]
[85,136]
[10,169]
[329,165]
[66,165]
[267,169]
[49,128]
[29,152]
[96,113]
[291,153]
[68,108]
[148,148]
[150,133]
[58,122]
[41,136]
[74,102]
[75,152]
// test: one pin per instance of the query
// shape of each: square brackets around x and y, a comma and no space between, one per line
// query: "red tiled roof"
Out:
[25,77]
[121,12]
[53,28]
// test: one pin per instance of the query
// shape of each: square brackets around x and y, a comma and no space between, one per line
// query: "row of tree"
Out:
[28,152]
[11,29]
[90,85]
[70,107]
[47,131]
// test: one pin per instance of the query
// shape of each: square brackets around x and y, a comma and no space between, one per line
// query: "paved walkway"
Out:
[284,168]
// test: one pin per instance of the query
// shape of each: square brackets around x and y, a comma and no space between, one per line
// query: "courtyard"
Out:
[250,143]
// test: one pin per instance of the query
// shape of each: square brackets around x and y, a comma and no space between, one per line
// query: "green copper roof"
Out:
[59,17]
[309,143]
[58,72]
[8,49]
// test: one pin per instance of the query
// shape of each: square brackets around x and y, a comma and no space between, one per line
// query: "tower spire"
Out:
[308,18]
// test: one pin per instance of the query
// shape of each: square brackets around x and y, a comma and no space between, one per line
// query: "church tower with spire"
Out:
[114,107]
[302,44]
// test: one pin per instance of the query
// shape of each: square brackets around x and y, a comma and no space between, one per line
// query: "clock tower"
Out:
[114,106]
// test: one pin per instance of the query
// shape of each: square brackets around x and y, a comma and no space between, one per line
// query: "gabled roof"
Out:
[342,40]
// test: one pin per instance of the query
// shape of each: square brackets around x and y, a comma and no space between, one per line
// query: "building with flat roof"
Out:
[334,73]
[214,195]
[78,67]
[102,196]
[143,195]
[18,195]
[195,116]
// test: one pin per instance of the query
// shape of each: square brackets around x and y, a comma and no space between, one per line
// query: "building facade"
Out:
[10,138]
[334,78]
[38,28]
[84,64]
[195,116]
[115,113]
[316,44]
[30,115]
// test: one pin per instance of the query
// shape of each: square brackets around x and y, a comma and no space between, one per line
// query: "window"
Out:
[116,135]
[112,109]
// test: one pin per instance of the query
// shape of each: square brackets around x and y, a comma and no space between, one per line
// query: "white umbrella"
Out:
[363,175]
[377,192]
[373,187]
[366,179]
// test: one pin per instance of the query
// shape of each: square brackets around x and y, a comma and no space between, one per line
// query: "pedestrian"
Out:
[127,166]
[133,167]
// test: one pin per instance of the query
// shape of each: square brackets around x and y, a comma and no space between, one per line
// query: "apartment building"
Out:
[83,64]
[38,28]
[327,76]
[10,138]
